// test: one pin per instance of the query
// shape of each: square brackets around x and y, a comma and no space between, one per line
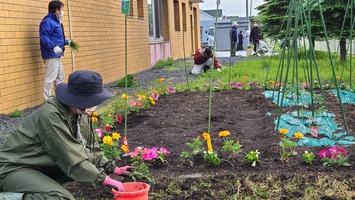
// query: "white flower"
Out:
[254,164]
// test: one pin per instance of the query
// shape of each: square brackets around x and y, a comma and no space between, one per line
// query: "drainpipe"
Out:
[71,37]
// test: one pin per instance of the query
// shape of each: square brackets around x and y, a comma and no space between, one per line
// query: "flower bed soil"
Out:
[180,117]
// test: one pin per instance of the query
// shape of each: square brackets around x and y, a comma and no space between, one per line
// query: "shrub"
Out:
[131,81]
[16,113]
[163,63]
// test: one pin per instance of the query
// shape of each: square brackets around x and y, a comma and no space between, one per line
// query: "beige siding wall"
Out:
[97,25]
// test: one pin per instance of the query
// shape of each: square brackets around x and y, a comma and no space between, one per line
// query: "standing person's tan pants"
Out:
[54,73]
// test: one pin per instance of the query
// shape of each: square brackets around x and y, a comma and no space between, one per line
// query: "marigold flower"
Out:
[94,119]
[283,131]
[272,82]
[94,114]
[107,140]
[206,136]
[153,102]
[299,135]
[124,96]
[170,83]
[337,77]
[161,79]
[151,98]
[115,92]
[124,148]
[224,133]
[245,77]
[155,92]
[116,136]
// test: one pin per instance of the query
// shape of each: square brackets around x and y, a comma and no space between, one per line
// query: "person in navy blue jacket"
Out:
[52,42]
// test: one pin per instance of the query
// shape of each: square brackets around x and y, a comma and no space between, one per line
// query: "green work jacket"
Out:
[47,141]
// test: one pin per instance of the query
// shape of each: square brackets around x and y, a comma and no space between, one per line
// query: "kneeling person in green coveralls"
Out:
[57,141]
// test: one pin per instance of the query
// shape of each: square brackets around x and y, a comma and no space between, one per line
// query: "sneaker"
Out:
[206,68]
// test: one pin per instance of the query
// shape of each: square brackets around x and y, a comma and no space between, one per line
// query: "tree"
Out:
[274,15]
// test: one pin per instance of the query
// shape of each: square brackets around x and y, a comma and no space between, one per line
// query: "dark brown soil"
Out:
[180,117]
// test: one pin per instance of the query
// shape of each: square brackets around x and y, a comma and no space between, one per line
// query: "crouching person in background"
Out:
[261,48]
[56,142]
[203,61]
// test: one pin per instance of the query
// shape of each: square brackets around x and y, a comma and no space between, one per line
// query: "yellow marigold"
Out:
[107,140]
[245,77]
[151,98]
[156,92]
[94,119]
[161,79]
[141,96]
[153,102]
[109,115]
[124,96]
[115,92]
[94,114]
[272,82]
[299,135]
[224,133]
[337,77]
[124,148]
[283,131]
[116,136]
[206,136]
[170,83]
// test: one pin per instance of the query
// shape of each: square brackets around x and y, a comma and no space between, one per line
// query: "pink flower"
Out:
[323,153]
[164,151]
[155,96]
[342,150]
[146,154]
[99,132]
[171,90]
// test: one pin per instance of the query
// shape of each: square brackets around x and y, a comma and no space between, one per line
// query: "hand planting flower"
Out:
[252,157]
[334,156]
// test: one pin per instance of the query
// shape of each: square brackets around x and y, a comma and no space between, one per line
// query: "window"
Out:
[131,8]
[177,15]
[140,9]
[184,23]
[156,19]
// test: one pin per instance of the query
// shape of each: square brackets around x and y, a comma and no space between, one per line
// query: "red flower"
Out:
[118,118]
[108,128]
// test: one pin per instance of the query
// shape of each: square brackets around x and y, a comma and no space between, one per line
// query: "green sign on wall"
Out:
[125,6]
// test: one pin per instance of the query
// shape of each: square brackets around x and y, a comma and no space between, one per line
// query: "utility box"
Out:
[222,37]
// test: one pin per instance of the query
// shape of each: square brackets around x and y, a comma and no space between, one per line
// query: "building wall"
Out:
[97,25]
[182,42]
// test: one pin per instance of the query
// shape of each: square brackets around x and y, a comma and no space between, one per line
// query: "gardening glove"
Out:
[111,183]
[57,50]
[123,170]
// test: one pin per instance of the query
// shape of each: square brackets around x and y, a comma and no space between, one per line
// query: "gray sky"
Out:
[232,7]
